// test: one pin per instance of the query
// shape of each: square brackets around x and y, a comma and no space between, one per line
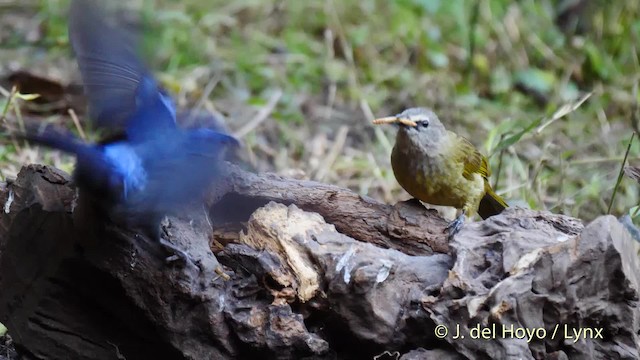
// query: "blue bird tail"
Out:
[93,170]
[64,142]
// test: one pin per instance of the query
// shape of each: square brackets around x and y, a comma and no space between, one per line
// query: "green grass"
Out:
[337,63]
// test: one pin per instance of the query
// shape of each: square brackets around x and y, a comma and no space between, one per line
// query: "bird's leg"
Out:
[455,226]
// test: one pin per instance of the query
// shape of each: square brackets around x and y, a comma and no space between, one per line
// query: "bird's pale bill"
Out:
[394,120]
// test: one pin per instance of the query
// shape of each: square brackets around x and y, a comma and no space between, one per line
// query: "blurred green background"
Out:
[548,88]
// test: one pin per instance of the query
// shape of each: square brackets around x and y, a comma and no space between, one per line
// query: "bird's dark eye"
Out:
[424,123]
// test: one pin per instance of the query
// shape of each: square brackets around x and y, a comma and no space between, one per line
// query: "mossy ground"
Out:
[300,81]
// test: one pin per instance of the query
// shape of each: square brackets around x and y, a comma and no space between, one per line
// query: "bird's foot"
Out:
[178,254]
[455,226]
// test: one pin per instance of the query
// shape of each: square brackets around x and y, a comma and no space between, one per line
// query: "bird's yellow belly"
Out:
[438,183]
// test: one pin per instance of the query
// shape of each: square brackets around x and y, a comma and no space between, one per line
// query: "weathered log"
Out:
[322,284]
[406,226]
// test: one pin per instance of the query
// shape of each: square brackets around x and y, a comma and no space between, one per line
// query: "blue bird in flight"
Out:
[153,167]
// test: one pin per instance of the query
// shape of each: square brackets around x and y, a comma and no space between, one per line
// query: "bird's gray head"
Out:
[417,125]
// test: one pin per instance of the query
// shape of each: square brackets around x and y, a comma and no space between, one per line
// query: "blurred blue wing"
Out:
[154,115]
[121,91]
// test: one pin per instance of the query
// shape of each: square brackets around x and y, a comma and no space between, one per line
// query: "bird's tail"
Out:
[88,157]
[491,204]
[93,171]
[56,140]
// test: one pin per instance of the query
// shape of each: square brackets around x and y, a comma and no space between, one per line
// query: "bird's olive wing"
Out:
[474,162]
